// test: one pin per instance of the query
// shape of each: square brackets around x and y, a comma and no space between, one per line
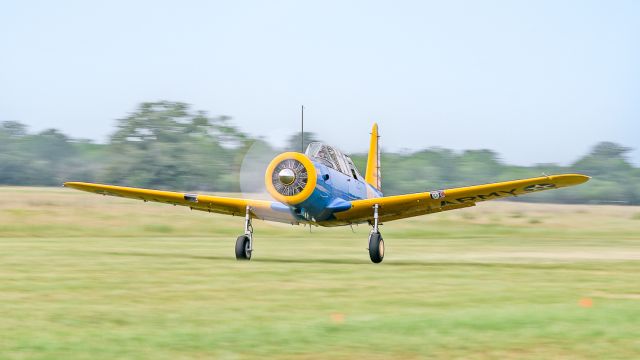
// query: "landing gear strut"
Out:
[376,243]
[244,243]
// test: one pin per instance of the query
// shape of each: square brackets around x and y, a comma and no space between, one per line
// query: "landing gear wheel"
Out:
[376,247]
[243,248]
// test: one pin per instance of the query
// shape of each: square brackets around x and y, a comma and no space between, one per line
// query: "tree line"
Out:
[168,145]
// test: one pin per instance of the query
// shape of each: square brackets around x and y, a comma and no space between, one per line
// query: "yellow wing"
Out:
[404,206]
[260,209]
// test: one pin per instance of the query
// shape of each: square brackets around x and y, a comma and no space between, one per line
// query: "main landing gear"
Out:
[244,244]
[376,243]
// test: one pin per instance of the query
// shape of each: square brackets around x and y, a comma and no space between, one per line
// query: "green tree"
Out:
[294,142]
[165,144]
[614,178]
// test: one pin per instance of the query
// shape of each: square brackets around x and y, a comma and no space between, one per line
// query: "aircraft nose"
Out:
[286,176]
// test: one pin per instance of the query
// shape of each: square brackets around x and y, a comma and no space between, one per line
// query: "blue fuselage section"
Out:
[334,192]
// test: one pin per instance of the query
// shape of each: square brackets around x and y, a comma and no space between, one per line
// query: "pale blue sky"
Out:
[537,81]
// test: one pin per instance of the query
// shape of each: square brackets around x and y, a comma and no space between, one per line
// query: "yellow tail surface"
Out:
[372,175]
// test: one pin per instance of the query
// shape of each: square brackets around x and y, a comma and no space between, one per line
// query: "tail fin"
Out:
[372,175]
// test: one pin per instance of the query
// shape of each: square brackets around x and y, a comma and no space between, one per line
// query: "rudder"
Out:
[372,175]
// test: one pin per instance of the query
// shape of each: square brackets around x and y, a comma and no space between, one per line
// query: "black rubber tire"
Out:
[242,246]
[376,247]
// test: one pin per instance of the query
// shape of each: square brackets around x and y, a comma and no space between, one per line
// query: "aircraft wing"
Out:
[404,206]
[260,209]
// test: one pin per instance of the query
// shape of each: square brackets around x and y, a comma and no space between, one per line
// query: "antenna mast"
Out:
[302,132]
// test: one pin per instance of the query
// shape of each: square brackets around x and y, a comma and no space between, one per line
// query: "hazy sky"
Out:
[537,81]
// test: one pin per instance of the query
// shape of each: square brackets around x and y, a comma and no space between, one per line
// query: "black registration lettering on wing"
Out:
[488,196]
[444,203]
[539,187]
[479,197]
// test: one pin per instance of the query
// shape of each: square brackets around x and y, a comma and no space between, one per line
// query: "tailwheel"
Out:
[243,248]
[376,247]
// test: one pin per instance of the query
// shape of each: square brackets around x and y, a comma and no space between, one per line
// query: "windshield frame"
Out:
[333,158]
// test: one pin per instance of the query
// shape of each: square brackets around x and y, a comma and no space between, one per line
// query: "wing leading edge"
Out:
[390,207]
[260,209]
[409,205]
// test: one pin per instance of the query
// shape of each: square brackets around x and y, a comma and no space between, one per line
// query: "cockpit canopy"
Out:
[333,158]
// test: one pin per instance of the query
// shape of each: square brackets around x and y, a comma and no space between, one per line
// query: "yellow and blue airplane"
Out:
[323,187]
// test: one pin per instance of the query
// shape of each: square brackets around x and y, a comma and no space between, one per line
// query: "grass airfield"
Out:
[85,276]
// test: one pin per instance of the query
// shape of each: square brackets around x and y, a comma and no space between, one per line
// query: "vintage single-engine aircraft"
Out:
[323,187]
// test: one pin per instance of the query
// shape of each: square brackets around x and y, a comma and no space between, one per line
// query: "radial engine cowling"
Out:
[290,178]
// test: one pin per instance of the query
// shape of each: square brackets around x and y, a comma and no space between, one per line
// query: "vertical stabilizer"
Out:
[372,175]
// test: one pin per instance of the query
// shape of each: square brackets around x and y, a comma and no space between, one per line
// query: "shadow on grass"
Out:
[231,258]
[363,261]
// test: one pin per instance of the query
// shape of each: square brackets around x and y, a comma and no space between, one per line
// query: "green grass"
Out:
[85,276]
